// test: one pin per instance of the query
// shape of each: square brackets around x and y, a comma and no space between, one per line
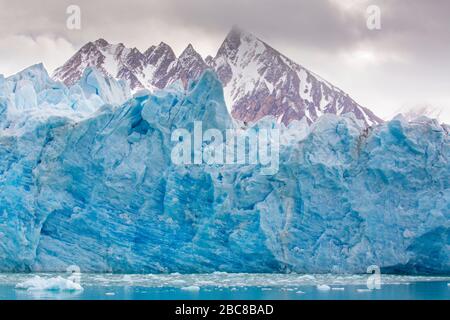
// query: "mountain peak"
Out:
[149,51]
[258,80]
[101,42]
[189,66]
[162,49]
[135,51]
[154,54]
[237,31]
[189,48]
[234,40]
[189,52]
[163,45]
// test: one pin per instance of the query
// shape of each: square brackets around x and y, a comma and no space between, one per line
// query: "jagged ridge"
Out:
[258,80]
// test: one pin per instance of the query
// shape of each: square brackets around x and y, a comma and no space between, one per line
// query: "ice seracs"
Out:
[30,97]
[415,112]
[110,91]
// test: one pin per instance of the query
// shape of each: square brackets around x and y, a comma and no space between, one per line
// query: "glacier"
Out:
[86,179]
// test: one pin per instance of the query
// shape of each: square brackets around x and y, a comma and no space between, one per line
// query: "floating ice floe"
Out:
[338,289]
[323,287]
[191,288]
[38,283]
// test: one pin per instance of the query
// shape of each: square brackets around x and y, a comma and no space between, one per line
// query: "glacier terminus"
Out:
[86,179]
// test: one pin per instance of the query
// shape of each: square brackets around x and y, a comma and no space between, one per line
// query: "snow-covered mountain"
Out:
[258,80]
[114,60]
[157,67]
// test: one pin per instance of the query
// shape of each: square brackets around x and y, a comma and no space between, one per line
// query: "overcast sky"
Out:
[407,62]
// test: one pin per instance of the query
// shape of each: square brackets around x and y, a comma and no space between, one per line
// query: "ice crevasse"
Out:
[101,192]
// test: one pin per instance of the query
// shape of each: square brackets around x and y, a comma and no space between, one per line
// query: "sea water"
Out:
[220,286]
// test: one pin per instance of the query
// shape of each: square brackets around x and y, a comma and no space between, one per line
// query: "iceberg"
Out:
[100,190]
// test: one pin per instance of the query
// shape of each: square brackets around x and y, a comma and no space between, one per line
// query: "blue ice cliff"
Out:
[86,179]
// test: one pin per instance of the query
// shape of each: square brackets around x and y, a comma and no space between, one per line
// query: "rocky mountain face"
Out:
[257,79]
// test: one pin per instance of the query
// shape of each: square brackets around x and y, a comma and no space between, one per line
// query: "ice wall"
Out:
[103,194]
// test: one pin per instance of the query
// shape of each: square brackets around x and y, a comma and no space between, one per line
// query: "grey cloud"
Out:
[317,23]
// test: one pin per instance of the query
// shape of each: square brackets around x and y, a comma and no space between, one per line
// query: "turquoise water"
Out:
[223,286]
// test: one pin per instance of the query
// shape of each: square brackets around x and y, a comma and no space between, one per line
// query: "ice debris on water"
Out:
[323,287]
[191,288]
